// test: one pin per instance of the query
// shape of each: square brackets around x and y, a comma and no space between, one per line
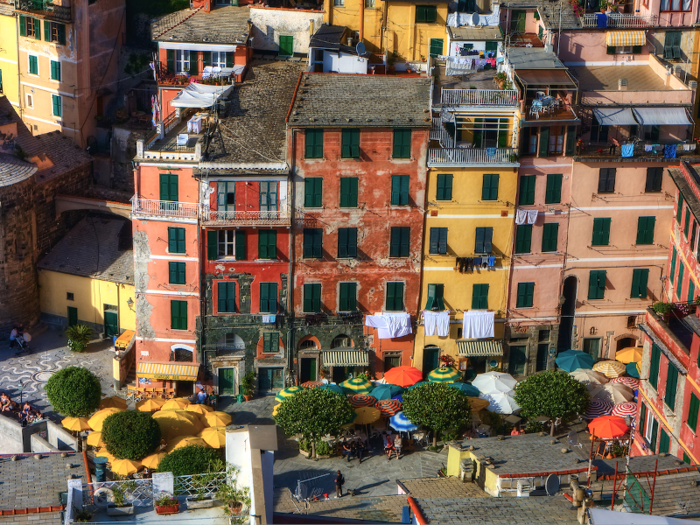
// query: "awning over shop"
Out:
[662,116]
[624,38]
[199,96]
[168,371]
[345,358]
[479,348]
[614,116]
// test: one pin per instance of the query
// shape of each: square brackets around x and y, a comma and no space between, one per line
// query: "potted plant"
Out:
[120,507]
[323,450]
[78,337]
[167,504]
[500,79]
[233,497]
[248,385]
[81,516]
[304,448]
[201,483]
[662,309]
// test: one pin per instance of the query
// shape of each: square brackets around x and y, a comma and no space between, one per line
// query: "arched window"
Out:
[341,341]
[182,354]
[231,341]
[309,344]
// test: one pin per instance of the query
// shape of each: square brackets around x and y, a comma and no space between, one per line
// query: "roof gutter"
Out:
[294,98]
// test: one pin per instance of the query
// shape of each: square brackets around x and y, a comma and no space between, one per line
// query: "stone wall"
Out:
[269,23]
[16,439]
[39,444]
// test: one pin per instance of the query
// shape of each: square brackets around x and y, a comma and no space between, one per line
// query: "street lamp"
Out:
[21,389]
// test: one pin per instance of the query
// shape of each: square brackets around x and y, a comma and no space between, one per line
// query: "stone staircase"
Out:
[431,463]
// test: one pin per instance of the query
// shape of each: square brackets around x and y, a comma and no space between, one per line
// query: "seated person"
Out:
[347,450]
[5,403]
[27,413]
[201,397]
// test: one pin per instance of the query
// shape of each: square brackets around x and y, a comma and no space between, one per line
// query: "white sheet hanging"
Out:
[520,216]
[390,325]
[437,322]
[478,324]
[532,216]
[199,96]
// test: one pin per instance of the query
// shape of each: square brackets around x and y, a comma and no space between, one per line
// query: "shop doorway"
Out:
[227,381]
[270,379]
[431,355]
[307,370]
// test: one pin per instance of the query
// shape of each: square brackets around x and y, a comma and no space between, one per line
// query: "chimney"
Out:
[204,4]
[677,70]
[311,26]
[622,84]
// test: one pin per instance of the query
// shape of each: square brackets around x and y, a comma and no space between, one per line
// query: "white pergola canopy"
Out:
[200,96]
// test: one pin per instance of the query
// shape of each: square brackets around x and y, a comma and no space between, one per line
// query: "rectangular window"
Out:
[350,144]
[176,271]
[313,192]
[169,191]
[55,70]
[227,296]
[178,315]
[640,279]
[436,47]
[484,240]
[523,238]
[313,139]
[672,273]
[394,297]
[653,434]
[226,243]
[444,187]
[176,240]
[218,59]
[525,296]
[33,65]
[400,245]
[596,284]
[271,342]
[182,61]
[606,180]
[399,190]
[30,100]
[347,242]
[679,209]
[313,243]
[268,196]
[32,27]
[402,144]
[286,45]
[312,298]
[480,297]
[225,196]
[542,355]
[550,236]
[654,366]
[240,245]
[348,192]
[556,140]
[438,241]
[672,42]
[436,297]
[267,244]
[645,230]
[693,408]
[601,231]
[426,14]
[527,190]
[693,235]
[53,32]
[268,298]
[544,143]
[489,187]
[671,385]
[348,297]
[654,179]
[553,191]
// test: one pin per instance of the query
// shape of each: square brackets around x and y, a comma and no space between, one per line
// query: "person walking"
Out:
[398,445]
[388,446]
[339,482]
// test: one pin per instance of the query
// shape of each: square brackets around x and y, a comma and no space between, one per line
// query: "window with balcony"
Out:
[182,61]
[268,196]
[226,243]
[556,140]
[676,5]
[599,134]
[400,244]
[29,27]
[218,59]
[651,132]
[438,241]
[436,294]
[225,196]
[596,284]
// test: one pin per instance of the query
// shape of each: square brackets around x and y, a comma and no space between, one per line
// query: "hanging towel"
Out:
[429,322]
[443,323]
[492,262]
[648,147]
[532,216]
[477,261]
[478,324]
[627,150]
[389,325]
[670,151]
[520,216]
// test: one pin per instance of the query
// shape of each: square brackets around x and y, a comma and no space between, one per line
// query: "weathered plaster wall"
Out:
[269,23]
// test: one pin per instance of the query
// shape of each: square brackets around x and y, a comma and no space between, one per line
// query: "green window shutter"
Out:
[664,442]
[679,209]
[47,29]
[57,105]
[431,14]
[176,240]
[654,365]
[640,279]
[271,342]
[686,226]
[527,190]
[178,315]
[227,296]
[268,298]
[645,230]
[570,141]
[654,434]
[313,192]
[523,238]
[194,62]
[240,245]
[550,236]
[212,245]
[553,189]
[691,291]
[438,240]
[61,34]
[313,143]
[596,284]
[671,386]
[55,70]
[33,65]
[176,272]
[347,242]
[679,284]
[440,296]
[491,46]
[313,243]
[394,297]
[22,25]
[206,58]
[672,273]
[348,297]
[420,14]
[348,192]
[693,408]
[267,244]
[169,187]
[431,297]
[286,45]
[350,144]
[399,190]
[402,144]
[480,297]
[601,231]
[525,295]
[444,187]
[489,187]
[436,47]
[170,60]
[544,142]
[400,241]
[312,298]
[229,59]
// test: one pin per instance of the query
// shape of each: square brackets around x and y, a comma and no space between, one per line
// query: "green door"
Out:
[430,359]
[111,324]
[169,191]
[308,370]
[517,21]
[72,315]
[227,381]
[270,379]
[286,45]
[518,359]
[436,46]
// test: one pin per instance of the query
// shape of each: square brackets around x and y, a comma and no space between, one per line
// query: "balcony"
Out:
[473,156]
[46,9]
[620,20]
[172,140]
[171,209]
[246,218]
[643,151]
[479,97]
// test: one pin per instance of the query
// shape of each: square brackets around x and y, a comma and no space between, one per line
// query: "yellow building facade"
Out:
[413,31]
[9,65]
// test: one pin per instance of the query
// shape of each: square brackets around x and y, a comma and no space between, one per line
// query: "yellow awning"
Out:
[624,38]
[167,372]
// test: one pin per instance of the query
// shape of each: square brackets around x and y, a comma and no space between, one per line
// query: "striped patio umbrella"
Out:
[466,388]
[357,385]
[598,408]
[634,369]
[150,405]
[113,402]
[403,376]
[444,374]
[631,354]
[332,388]
[389,407]
[631,382]
[311,384]
[613,393]
[419,383]
[624,409]
[383,392]
[362,400]
[610,368]
[401,423]
[287,392]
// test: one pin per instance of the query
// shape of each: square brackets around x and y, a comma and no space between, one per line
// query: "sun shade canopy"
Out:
[624,38]
[479,348]
[167,372]
[614,116]
[662,116]
[345,358]
[199,96]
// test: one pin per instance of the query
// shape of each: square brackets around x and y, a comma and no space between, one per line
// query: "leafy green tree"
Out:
[553,394]
[74,391]
[313,413]
[437,407]
[131,434]
[190,460]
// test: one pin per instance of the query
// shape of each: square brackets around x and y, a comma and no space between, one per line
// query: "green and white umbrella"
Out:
[444,374]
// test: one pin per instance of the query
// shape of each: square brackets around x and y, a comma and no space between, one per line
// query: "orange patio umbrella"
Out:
[403,376]
[98,418]
[217,419]
[608,427]
[214,437]
[476,404]
[113,402]
[150,405]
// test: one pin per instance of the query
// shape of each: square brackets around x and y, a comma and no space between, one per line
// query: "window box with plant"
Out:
[120,507]
[233,497]
[248,385]
[203,485]
[167,504]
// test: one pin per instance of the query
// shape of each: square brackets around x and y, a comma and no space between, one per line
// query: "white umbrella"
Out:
[501,402]
[614,393]
[588,377]
[494,382]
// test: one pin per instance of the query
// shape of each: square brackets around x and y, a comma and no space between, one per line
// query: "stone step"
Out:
[431,463]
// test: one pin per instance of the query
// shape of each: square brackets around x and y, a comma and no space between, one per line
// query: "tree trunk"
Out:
[313,450]
[435,439]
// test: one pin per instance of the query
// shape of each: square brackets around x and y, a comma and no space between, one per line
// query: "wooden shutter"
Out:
[601,231]
[348,192]
[399,190]
[394,300]
[523,238]
[654,179]
[313,143]
[553,189]
[402,144]
[405,242]
[348,297]
[61,29]
[570,141]
[479,244]
[654,365]
[47,29]
[178,315]
[22,25]
[488,240]
[420,14]
[645,230]
[640,279]
[227,296]
[679,209]
[312,297]
[550,236]
[240,245]
[318,243]
[55,70]
[271,342]
[679,282]
[206,58]
[444,187]
[342,242]
[693,407]
[691,291]
[354,143]
[194,62]
[212,245]
[525,295]
[686,226]
[57,105]
[395,242]
[352,242]
[489,187]
[436,46]
[434,240]
[544,142]
[596,284]
[313,188]
[308,243]
[177,272]
[430,303]
[527,190]
[170,60]
[671,385]
[229,59]
[480,296]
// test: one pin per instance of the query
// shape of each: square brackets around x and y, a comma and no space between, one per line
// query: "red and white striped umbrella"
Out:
[624,409]
[311,384]
[389,407]
[598,408]
[362,400]
[629,381]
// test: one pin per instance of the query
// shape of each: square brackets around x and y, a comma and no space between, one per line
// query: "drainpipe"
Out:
[362,19]
[291,332]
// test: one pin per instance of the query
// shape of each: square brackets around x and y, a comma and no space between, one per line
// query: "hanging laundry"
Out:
[437,322]
[520,216]
[429,322]
[532,216]
[478,324]
[648,147]
[627,150]
[477,261]
[492,262]
[390,325]
[670,151]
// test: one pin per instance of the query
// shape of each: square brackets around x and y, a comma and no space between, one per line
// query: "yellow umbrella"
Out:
[199,409]
[98,418]
[75,424]
[217,419]
[477,404]
[153,460]
[214,437]
[366,415]
[113,402]
[629,354]
[150,405]
[125,467]
[183,441]
[610,368]
[275,409]
[175,423]
[175,404]
[94,439]
[105,454]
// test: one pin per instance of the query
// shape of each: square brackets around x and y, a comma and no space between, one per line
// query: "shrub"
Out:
[78,337]
[131,434]
[74,391]
[552,394]
[189,460]
[323,449]
[533,427]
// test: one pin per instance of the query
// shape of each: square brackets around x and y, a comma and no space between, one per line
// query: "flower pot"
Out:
[125,510]
[304,453]
[235,508]
[247,398]
[167,509]
[194,503]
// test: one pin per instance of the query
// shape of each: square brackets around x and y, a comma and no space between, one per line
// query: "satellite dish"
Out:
[572,438]
[360,48]
[302,491]
[551,486]
[475,19]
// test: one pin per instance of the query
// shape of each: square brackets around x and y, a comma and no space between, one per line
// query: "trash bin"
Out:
[100,469]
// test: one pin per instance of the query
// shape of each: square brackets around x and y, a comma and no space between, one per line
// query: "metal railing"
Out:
[438,132]
[479,97]
[45,8]
[199,484]
[280,217]
[138,492]
[165,208]
[454,156]
[620,20]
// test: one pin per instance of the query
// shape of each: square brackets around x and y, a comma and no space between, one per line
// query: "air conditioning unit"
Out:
[677,70]
[693,84]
